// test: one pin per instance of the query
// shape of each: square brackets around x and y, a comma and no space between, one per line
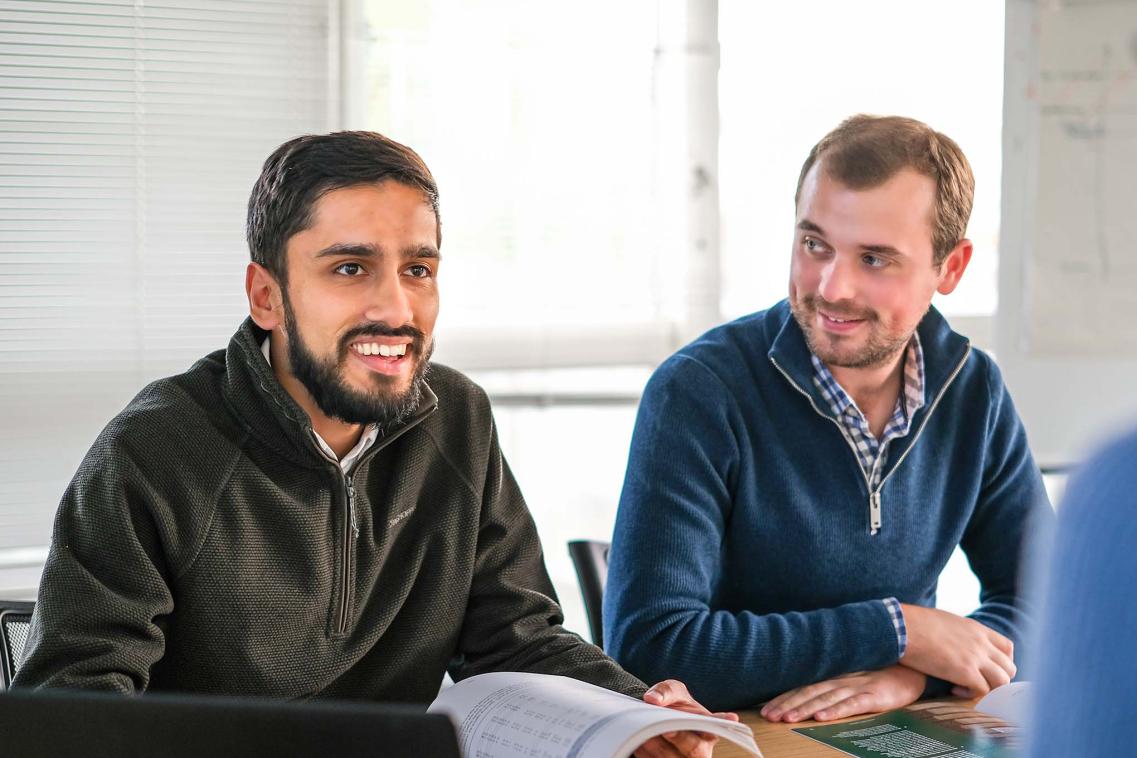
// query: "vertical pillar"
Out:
[687,64]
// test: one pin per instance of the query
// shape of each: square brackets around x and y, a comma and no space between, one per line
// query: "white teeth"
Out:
[374,348]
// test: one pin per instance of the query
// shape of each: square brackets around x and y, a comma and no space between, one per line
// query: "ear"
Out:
[951,270]
[265,303]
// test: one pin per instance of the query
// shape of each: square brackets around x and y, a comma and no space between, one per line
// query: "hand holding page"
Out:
[503,715]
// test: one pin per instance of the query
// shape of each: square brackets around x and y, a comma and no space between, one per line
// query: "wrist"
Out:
[912,680]
[899,625]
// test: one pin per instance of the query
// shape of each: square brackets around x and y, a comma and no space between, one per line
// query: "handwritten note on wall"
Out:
[1081,281]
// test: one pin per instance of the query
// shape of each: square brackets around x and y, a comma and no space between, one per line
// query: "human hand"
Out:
[673,694]
[961,650]
[849,695]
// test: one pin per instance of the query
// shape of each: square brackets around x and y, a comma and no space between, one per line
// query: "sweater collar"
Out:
[267,410]
[943,351]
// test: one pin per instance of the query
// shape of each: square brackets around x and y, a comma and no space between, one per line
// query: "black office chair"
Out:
[590,559]
[15,621]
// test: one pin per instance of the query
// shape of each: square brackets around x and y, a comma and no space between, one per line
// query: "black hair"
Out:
[302,170]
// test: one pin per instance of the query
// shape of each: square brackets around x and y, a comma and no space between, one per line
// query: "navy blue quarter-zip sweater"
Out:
[744,560]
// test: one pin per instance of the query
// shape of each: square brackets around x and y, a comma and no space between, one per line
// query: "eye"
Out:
[419,271]
[874,261]
[349,269]
[812,245]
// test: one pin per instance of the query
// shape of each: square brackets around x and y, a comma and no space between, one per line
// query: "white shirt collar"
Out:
[366,440]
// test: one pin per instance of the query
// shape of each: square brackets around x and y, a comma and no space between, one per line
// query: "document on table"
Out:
[922,730]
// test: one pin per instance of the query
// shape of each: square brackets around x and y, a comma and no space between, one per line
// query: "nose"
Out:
[838,280]
[390,303]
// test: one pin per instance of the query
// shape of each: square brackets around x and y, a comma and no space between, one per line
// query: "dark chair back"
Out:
[15,620]
[590,558]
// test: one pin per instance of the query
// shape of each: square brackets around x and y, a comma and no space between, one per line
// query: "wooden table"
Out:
[776,740]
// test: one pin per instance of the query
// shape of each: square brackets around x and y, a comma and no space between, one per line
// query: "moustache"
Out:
[380,329]
[840,309]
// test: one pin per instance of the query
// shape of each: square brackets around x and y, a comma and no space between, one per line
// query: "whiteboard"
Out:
[1066,336]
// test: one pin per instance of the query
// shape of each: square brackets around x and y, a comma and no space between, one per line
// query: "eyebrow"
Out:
[808,226]
[364,250]
[882,250]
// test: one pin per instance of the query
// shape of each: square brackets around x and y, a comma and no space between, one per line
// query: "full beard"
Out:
[880,347]
[323,377]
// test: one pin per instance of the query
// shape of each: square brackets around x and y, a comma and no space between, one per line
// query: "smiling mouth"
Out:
[840,319]
[384,358]
[378,348]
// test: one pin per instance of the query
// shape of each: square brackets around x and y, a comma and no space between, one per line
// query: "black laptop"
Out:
[63,723]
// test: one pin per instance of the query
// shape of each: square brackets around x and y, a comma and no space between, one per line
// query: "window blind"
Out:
[130,136]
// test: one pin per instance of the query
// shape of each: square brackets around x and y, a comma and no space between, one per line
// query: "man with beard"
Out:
[304,514]
[799,478]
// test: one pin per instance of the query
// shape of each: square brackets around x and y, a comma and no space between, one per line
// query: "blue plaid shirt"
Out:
[871,452]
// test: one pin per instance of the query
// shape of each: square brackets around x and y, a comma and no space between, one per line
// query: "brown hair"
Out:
[866,151]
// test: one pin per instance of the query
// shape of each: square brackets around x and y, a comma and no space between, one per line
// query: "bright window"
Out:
[789,77]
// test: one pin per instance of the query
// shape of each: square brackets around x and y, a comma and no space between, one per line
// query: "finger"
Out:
[1003,643]
[667,692]
[773,705]
[1005,662]
[652,748]
[727,715]
[961,692]
[691,743]
[776,703]
[976,682]
[853,705]
[995,675]
[822,701]
[792,699]
[657,747]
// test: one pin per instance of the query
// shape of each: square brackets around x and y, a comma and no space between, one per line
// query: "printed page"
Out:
[922,730]
[510,715]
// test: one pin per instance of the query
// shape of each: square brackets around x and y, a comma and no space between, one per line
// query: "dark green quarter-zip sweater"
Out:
[207,545]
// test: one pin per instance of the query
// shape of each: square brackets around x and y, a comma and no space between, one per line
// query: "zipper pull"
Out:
[351,506]
[874,512]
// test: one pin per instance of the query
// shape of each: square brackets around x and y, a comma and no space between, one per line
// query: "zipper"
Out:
[875,510]
[350,532]
[351,505]
[351,522]
[836,423]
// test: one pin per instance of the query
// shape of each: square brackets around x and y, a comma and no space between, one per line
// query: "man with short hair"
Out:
[798,478]
[315,511]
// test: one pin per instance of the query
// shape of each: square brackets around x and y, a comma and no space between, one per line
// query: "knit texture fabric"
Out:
[743,561]
[1084,697]
[205,545]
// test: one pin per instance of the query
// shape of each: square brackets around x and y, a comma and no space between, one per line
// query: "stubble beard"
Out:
[880,347]
[323,377]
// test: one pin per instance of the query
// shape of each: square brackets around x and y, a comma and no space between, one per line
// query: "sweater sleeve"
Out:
[99,618]
[513,620]
[660,614]
[1012,505]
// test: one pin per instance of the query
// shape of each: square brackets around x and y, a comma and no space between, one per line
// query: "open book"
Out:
[504,715]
